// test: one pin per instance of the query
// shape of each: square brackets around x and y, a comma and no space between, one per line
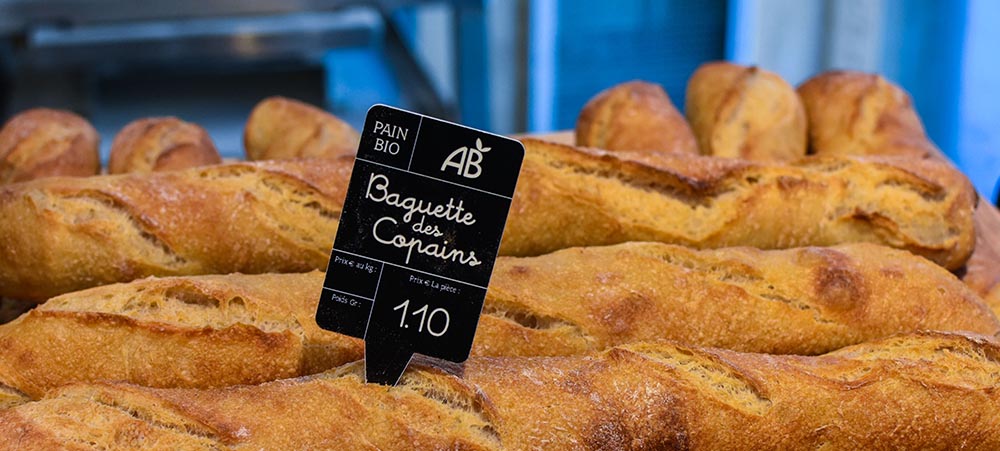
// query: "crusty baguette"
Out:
[795,301]
[161,144]
[570,197]
[62,235]
[239,329]
[42,142]
[174,332]
[924,391]
[855,113]
[635,116]
[745,112]
[280,129]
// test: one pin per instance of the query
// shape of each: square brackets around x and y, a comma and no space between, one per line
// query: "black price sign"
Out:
[418,237]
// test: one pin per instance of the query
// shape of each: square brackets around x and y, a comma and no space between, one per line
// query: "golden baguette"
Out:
[922,391]
[855,113]
[571,196]
[42,142]
[745,112]
[241,329]
[280,128]
[634,116]
[61,235]
[161,144]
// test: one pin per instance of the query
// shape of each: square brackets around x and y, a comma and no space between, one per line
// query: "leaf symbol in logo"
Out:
[479,146]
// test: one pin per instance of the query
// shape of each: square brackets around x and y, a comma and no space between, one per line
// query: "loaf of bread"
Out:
[212,331]
[854,113]
[282,129]
[923,391]
[745,112]
[635,116]
[796,301]
[205,331]
[161,144]
[570,197]
[42,143]
[62,235]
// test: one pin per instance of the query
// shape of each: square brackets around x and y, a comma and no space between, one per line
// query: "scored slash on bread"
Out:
[64,234]
[919,391]
[211,331]
[570,197]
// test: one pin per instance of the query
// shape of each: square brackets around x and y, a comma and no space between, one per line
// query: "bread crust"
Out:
[207,331]
[796,301]
[745,112]
[855,113]
[921,391]
[211,331]
[636,116]
[62,235]
[571,196]
[280,128]
[161,144]
[42,142]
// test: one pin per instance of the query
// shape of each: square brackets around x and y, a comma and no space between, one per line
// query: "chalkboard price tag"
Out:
[418,237]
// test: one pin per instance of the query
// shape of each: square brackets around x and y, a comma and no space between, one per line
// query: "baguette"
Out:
[635,116]
[62,235]
[174,332]
[161,144]
[854,113]
[42,142]
[571,197]
[922,391]
[745,112]
[214,331]
[280,129]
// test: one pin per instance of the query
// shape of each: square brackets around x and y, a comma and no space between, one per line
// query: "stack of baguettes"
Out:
[621,316]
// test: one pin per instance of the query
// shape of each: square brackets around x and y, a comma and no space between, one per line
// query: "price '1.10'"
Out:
[427,318]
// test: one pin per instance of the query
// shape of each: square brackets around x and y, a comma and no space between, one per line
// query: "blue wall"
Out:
[947,58]
[978,150]
[589,45]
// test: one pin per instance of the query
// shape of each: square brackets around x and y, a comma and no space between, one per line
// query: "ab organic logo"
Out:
[466,160]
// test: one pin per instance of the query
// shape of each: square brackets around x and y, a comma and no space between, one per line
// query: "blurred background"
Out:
[506,66]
